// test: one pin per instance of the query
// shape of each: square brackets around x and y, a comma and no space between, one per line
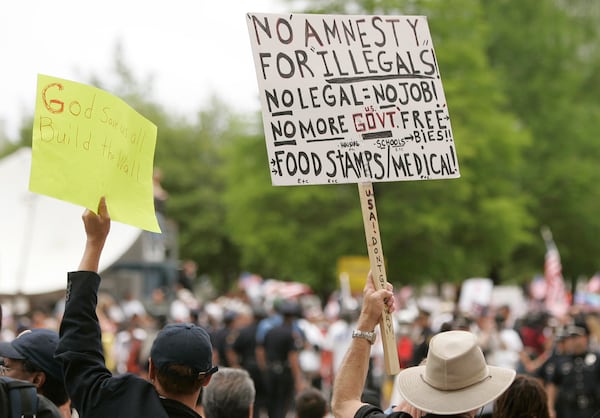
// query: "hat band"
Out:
[447,387]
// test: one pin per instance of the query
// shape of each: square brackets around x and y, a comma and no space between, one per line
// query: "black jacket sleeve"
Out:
[80,345]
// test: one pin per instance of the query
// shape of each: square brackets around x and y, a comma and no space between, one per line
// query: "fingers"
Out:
[370,287]
[385,295]
[388,298]
[85,214]
[370,283]
[390,303]
[102,209]
[97,226]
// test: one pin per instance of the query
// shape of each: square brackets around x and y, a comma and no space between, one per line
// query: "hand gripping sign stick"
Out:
[369,213]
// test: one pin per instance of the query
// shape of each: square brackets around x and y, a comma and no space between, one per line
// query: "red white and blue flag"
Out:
[557,300]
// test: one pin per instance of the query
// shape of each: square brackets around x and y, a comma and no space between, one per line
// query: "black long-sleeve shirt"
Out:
[94,391]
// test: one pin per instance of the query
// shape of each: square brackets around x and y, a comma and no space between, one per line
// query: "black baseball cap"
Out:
[184,344]
[37,346]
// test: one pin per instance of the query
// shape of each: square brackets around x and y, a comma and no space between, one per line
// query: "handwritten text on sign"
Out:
[350,99]
[87,144]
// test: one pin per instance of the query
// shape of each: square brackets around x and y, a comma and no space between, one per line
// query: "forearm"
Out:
[350,378]
[261,358]
[97,228]
[90,260]
[294,362]
[79,328]
[355,366]
[80,346]
[551,392]
[232,358]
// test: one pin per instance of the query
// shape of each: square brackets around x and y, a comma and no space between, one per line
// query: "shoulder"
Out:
[371,411]
[177,409]
[46,409]
[23,395]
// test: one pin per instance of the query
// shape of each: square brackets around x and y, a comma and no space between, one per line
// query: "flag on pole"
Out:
[556,302]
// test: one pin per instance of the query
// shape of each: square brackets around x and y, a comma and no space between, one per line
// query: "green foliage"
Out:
[546,53]
[288,233]
[9,145]
[521,81]
[189,156]
[454,229]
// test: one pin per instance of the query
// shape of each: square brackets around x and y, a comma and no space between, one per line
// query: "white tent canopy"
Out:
[42,238]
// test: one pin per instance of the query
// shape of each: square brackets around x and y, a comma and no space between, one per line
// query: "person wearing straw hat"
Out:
[455,380]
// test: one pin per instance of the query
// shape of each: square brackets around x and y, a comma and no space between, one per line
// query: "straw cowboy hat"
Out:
[455,377]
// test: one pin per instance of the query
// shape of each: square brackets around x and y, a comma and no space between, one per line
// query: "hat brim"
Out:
[418,393]
[8,351]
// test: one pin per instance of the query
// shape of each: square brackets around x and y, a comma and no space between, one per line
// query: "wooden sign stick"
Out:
[370,220]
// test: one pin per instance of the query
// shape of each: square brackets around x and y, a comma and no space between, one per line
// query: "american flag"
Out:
[285,290]
[557,302]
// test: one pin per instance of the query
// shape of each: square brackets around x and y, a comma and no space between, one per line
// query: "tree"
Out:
[442,230]
[190,157]
[288,233]
[549,64]
[521,83]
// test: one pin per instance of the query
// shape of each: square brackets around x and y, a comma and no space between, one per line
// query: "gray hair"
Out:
[229,394]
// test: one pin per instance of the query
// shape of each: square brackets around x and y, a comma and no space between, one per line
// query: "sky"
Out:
[193,49]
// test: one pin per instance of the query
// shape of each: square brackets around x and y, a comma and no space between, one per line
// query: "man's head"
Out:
[423,319]
[311,403]
[290,309]
[181,357]
[577,339]
[455,378]
[30,356]
[230,394]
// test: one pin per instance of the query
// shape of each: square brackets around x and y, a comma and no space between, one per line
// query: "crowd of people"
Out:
[281,358]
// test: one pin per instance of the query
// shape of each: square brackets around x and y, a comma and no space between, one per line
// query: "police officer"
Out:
[574,389]
[245,348]
[281,345]
[560,340]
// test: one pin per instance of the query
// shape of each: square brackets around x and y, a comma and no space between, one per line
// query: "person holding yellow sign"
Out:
[180,361]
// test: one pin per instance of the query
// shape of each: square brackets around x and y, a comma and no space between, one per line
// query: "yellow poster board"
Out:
[88,143]
[356,268]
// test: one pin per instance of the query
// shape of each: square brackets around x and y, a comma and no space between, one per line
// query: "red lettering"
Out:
[51,106]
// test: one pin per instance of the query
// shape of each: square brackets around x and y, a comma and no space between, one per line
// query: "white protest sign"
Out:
[351,99]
